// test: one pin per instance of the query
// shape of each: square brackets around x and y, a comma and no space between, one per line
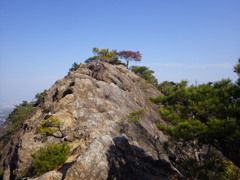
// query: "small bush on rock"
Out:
[135,116]
[74,67]
[49,126]
[48,158]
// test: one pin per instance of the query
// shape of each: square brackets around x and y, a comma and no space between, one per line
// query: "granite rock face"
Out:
[52,175]
[92,104]
[108,158]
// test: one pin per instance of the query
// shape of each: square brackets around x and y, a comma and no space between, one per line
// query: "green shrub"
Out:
[47,159]
[210,169]
[14,122]
[145,73]
[201,116]
[49,126]
[74,67]
[17,117]
[40,97]
[136,116]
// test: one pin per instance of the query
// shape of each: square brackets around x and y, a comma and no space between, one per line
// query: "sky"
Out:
[194,40]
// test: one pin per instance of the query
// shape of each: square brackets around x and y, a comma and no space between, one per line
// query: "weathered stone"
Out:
[93,163]
[6,175]
[52,175]
[107,158]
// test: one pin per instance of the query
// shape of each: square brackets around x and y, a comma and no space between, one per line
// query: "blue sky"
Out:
[197,40]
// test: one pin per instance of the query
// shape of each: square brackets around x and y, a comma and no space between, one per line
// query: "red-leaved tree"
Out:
[130,56]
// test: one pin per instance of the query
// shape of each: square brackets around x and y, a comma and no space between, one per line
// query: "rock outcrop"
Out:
[108,158]
[92,104]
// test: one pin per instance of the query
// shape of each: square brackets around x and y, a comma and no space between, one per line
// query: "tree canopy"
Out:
[203,115]
[145,73]
[130,56]
[112,56]
[237,67]
[16,118]
[237,70]
[103,55]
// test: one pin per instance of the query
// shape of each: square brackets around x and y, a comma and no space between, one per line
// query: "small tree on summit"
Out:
[103,55]
[130,56]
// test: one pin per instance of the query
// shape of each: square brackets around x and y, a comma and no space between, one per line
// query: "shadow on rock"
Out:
[130,162]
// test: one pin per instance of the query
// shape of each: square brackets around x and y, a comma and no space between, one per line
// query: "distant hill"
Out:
[5,110]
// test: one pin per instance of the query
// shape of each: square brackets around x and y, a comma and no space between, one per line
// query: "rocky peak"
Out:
[92,105]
